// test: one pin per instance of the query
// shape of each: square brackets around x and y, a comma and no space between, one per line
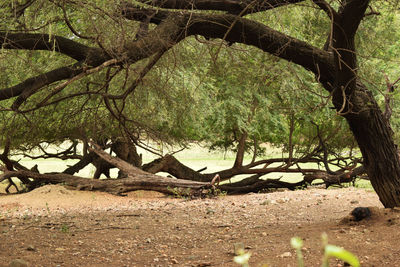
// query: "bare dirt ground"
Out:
[53,226]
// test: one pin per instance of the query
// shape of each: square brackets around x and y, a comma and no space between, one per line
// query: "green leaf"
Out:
[342,254]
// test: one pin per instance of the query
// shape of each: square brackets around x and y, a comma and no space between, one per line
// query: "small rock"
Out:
[203,264]
[60,249]
[174,261]
[18,263]
[361,213]
[210,211]
[354,202]
[148,240]
[286,255]
[31,248]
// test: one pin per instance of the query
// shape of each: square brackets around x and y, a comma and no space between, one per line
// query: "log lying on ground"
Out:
[255,184]
[174,167]
[138,181]
[335,179]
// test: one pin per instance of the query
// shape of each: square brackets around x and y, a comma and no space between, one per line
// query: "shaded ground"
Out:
[53,226]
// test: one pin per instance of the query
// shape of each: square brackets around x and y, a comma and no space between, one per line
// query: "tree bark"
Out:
[114,186]
[241,147]
[172,166]
[127,152]
[354,102]
[82,163]
[375,139]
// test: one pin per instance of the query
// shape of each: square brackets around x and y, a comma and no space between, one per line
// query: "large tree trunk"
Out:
[355,102]
[127,152]
[374,136]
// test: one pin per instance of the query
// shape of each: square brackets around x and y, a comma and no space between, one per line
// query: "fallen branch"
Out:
[144,181]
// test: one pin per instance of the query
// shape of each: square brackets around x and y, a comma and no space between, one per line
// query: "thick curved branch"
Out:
[170,31]
[119,163]
[344,28]
[239,30]
[351,14]
[39,41]
[235,7]
[324,6]
[172,27]
[31,85]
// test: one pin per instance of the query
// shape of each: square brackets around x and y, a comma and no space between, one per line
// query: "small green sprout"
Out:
[297,244]
[331,251]
[242,258]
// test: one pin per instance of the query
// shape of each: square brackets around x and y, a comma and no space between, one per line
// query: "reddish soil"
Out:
[53,226]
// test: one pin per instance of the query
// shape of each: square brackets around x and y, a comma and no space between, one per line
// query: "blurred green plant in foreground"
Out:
[330,251]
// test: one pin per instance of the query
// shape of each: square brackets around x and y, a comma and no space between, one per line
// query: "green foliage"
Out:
[203,91]
[330,251]
[297,244]
[64,228]
[339,253]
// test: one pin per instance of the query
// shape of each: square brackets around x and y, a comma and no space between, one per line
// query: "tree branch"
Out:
[351,13]
[133,182]
[239,30]
[119,163]
[39,41]
[324,6]
[31,85]
[19,9]
[344,28]
[234,7]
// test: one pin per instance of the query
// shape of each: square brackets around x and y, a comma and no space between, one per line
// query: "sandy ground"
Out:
[54,226]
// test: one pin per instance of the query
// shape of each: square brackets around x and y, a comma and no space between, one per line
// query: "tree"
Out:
[93,47]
